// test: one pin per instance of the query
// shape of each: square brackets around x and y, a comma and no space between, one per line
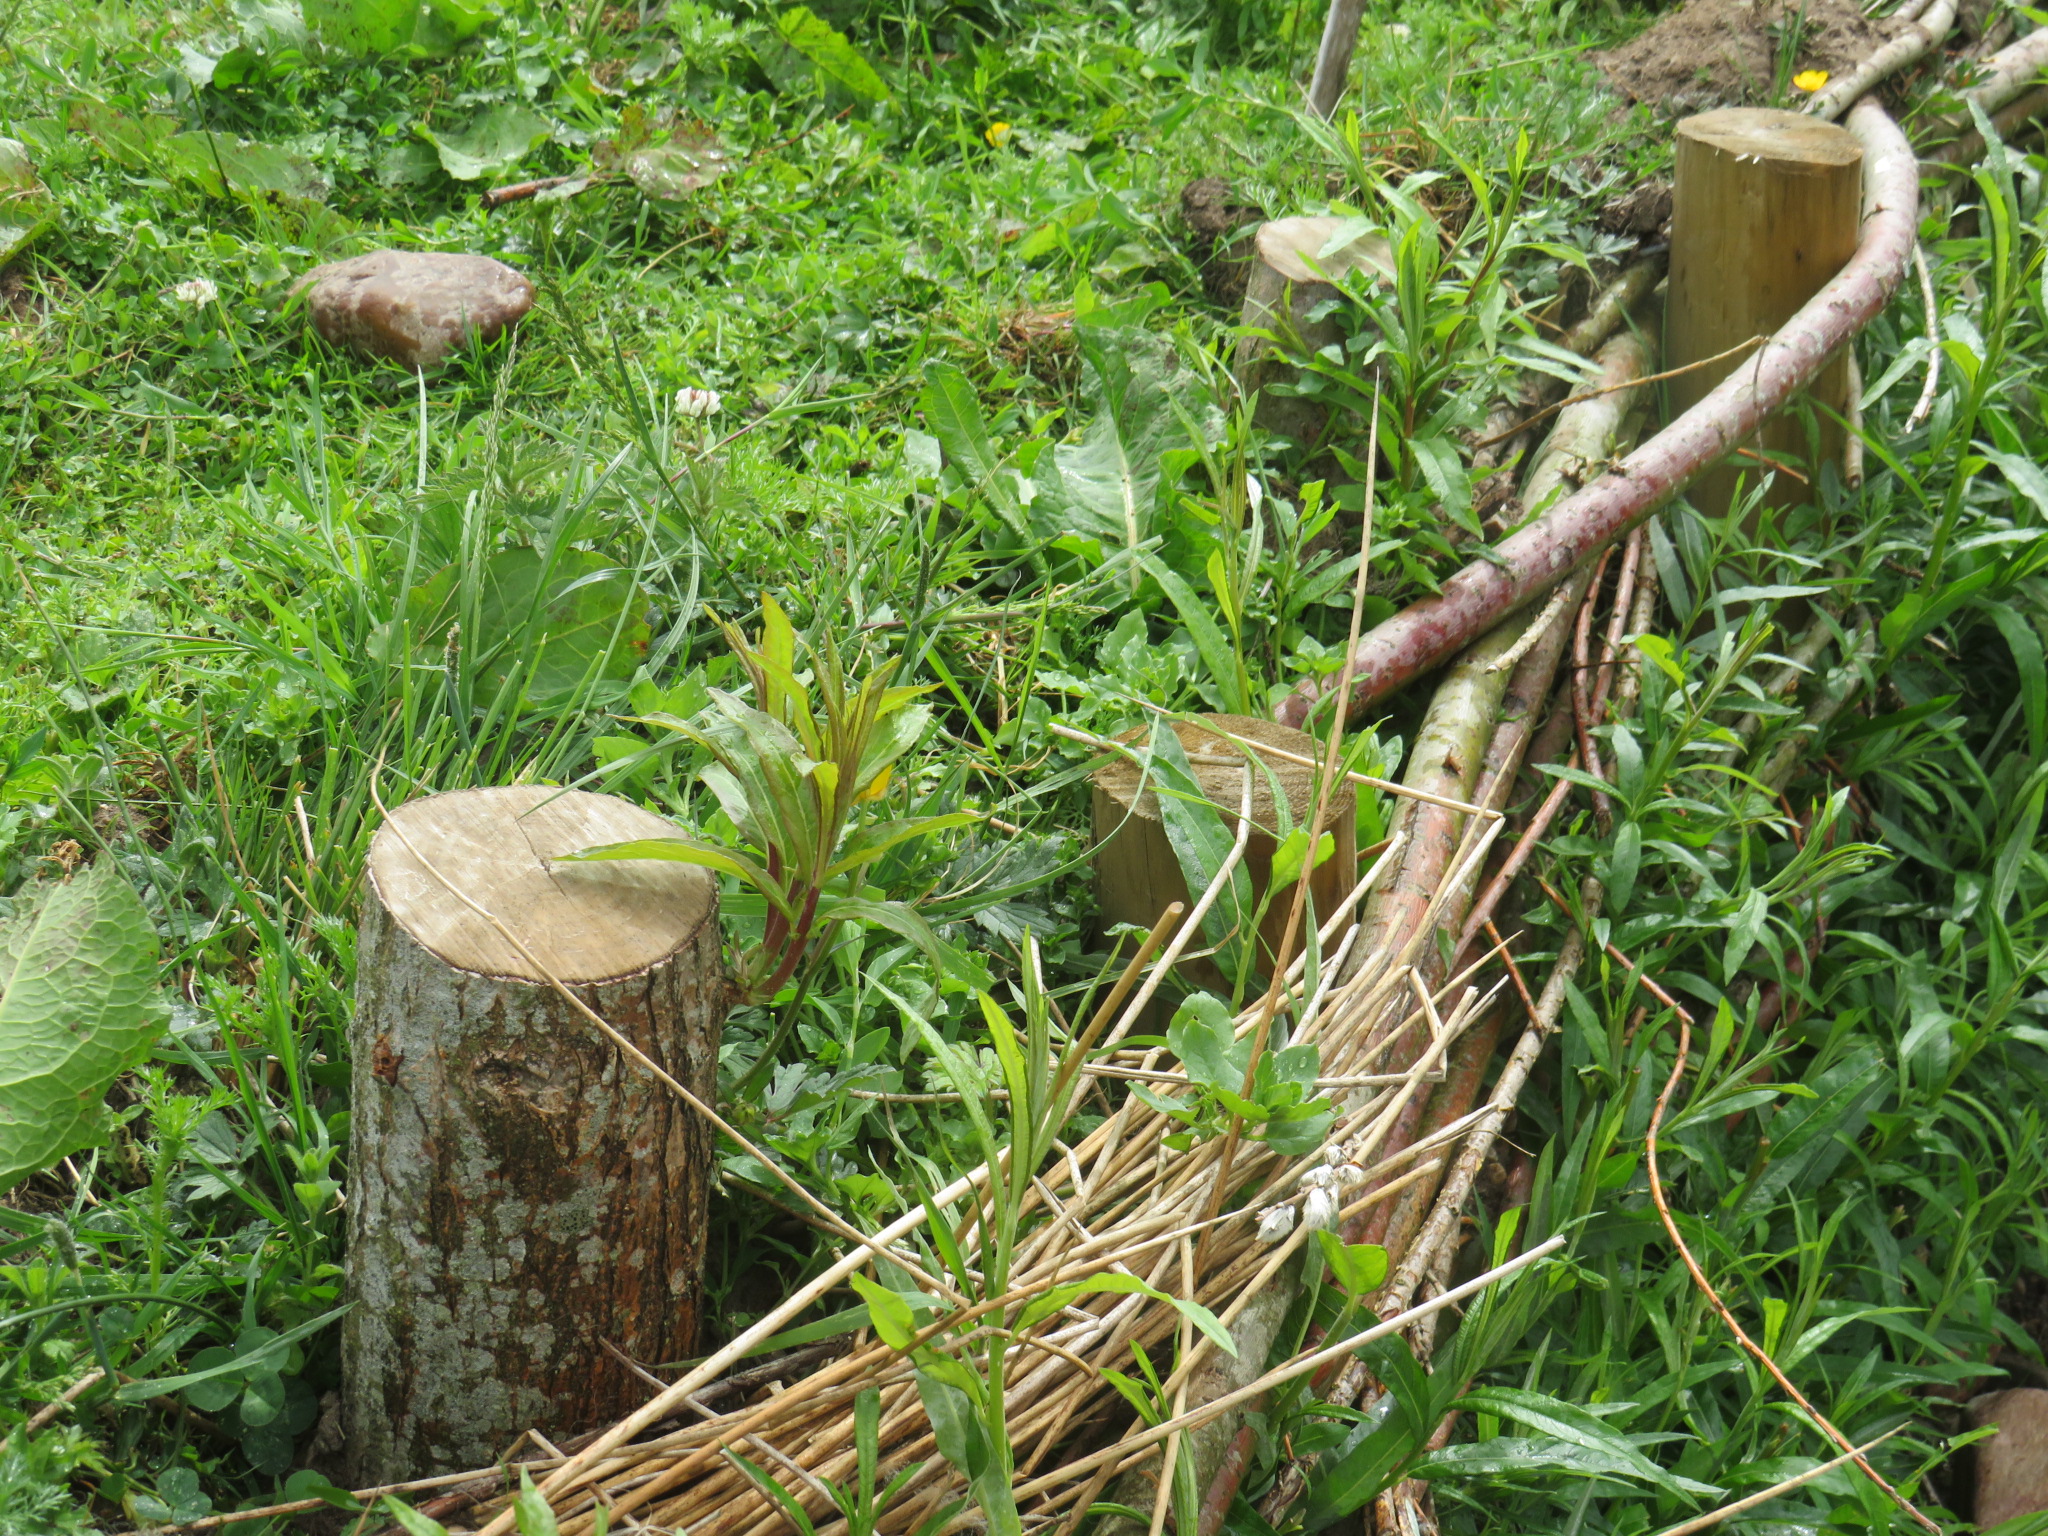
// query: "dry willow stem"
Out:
[2004,79]
[1116,1200]
[1583,437]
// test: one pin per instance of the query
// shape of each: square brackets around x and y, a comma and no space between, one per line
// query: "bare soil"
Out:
[1729,53]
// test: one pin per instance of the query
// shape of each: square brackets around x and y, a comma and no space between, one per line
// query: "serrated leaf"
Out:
[78,1007]
[830,52]
[498,139]
[672,171]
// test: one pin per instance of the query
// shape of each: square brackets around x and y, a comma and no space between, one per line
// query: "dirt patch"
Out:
[1729,53]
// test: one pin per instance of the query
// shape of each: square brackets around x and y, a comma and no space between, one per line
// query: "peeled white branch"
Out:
[1526,565]
[1909,47]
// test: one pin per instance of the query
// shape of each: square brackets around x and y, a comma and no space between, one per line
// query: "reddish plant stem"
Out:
[1582,693]
[1617,621]
[1699,1278]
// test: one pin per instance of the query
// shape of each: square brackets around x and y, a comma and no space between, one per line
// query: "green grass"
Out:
[233,556]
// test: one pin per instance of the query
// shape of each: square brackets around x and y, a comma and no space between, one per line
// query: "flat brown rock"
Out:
[414,307]
[2012,1466]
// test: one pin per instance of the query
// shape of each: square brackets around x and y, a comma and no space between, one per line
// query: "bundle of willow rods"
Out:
[1120,1201]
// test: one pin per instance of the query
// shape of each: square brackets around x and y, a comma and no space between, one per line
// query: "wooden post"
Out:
[519,1190]
[1290,277]
[1333,56]
[1136,874]
[1764,213]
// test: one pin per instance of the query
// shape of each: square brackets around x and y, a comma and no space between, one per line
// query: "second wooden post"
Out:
[1765,212]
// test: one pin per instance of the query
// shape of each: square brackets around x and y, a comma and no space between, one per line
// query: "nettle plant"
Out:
[796,772]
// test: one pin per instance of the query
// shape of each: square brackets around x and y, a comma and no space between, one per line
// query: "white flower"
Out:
[196,291]
[1333,1154]
[698,402]
[1349,1175]
[1317,1178]
[1319,1211]
[1275,1222]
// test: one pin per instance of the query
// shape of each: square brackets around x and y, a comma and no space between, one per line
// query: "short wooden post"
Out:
[1290,279]
[520,1192]
[1765,211]
[1137,876]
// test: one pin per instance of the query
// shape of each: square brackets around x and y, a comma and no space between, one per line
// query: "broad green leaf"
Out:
[532,1513]
[496,140]
[415,1523]
[1204,1036]
[1360,1268]
[1201,836]
[361,26]
[673,170]
[833,56]
[1287,857]
[952,410]
[895,1324]
[220,165]
[1107,485]
[954,1424]
[306,1483]
[553,624]
[78,1007]
[26,207]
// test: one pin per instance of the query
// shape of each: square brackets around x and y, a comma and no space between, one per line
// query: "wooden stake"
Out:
[1293,272]
[519,1190]
[1764,214]
[1136,873]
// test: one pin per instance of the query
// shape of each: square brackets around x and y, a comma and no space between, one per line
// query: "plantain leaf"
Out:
[78,1007]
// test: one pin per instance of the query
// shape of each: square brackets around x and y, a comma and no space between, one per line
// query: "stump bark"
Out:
[1764,212]
[519,1189]
[1291,279]
[1137,875]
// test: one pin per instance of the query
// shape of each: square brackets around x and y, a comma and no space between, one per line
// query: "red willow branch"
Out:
[1527,564]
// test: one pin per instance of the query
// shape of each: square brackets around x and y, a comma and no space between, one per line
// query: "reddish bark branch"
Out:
[1527,564]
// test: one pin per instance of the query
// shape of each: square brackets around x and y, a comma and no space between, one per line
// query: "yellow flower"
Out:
[875,790]
[1810,79]
[996,134]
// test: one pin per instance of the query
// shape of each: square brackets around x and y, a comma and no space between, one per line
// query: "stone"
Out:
[414,307]
[2012,1466]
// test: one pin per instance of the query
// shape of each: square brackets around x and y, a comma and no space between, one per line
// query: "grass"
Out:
[234,557]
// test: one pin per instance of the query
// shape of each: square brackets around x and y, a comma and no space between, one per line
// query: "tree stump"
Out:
[519,1189]
[1764,213]
[1290,278]
[1137,876]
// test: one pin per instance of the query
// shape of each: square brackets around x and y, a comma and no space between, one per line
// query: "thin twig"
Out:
[1706,1288]
[1607,389]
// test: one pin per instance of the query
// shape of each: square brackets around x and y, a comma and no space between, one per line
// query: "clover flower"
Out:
[698,403]
[196,291]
